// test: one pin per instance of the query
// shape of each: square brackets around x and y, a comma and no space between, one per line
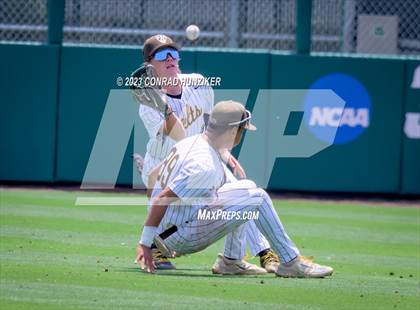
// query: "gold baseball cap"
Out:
[230,113]
[154,43]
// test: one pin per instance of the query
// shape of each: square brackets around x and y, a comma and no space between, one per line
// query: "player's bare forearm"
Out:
[233,163]
[173,128]
[225,154]
[159,205]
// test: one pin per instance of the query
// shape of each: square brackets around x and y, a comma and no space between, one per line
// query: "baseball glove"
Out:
[144,93]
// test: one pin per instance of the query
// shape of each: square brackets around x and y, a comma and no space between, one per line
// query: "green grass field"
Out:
[55,255]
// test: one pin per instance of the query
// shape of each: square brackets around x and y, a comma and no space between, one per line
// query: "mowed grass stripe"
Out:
[319,209]
[295,228]
[350,208]
[66,240]
[63,198]
[71,236]
[357,265]
[401,224]
[328,246]
[76,213]
[79,225]
[368,222]
[351,213]
[12,244]
[343,229]
[347,232]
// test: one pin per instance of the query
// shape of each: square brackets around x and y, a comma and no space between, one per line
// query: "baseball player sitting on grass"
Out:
[176,111]
[192,181]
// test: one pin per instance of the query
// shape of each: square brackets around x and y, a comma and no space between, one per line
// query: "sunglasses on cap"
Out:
[163,54]
[245,119]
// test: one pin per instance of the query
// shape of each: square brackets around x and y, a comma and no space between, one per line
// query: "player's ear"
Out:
[239,133]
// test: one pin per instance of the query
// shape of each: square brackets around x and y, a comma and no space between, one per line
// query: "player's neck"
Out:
[174,90]
[216,142]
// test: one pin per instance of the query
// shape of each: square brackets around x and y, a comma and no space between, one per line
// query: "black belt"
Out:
[171,230]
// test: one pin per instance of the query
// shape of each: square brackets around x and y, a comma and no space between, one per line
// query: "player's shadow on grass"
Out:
[181,272]
[137,269]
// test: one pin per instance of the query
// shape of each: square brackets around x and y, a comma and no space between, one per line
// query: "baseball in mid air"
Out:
[192,32]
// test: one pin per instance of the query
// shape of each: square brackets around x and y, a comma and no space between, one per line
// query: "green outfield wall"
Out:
[53,100]
[28,112]
[410,159]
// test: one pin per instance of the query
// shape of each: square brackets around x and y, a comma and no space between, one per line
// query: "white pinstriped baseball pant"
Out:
[235,243]
[196,235]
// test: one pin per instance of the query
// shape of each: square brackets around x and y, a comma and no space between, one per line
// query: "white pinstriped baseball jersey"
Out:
[194,171]
[189,108]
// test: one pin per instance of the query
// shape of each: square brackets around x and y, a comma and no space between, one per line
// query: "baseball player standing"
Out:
[192,181]
[186,114]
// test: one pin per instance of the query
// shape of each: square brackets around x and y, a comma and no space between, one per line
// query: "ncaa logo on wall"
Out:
[332,123]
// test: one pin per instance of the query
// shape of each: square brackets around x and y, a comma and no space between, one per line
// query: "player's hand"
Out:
[148,95]
[144,258]
[237,169]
